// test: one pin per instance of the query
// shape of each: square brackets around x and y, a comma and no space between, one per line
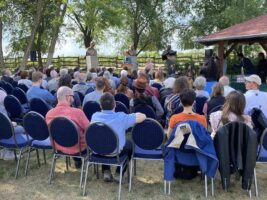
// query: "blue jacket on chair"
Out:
[200,152]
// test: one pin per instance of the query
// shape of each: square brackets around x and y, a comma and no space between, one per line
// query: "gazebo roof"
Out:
[253,30]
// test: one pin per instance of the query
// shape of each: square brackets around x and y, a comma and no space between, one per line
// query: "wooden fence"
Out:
[72,62]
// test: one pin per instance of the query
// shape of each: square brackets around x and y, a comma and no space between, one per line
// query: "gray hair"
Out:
[63,91]
[224,80]
[107,75]
[200,82]
[82,78]
[76,74]
[124,73]
[63,72]
[53,73]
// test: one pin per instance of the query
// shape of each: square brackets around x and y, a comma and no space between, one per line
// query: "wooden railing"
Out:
[72,62]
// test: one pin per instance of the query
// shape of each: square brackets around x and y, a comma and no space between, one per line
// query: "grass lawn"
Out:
[147,184]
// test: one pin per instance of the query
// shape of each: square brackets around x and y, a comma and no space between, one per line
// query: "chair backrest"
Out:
[101,139]
[199,104]
[178,109]
[2,89]
[120,107]
[7,87]
[35,125]
[14,84]
[80,95]
[145,109]
[123,98]
[216,108]
[90,108]
[6,127]
[13,106]
[148,135]
[39,106]
[20,94]
[64,132]
[259,120]
[157,85]
[23,87]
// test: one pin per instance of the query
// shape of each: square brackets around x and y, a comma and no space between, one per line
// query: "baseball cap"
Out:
[254,78]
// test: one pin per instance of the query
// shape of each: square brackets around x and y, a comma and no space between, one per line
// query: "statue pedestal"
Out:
[91,62]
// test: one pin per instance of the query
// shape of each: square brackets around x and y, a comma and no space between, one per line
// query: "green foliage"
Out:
[208,16]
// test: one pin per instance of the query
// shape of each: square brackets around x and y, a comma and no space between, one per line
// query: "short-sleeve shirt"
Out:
[256,99]
[119,122]
[181,117]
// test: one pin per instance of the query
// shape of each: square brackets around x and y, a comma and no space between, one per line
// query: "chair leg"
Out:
[38,158]
[169,192]
[206,186]
[27,162]
[85,178]
[97,172]
[135,167]
[44,156]
[165,183]
[67,164]
[52,169]
[212,186]
[256,184]
[15,154]
[81,178]
[131,174]
[18,163]
[119,195]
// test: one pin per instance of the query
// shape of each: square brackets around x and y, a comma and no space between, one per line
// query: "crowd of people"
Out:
[173,99]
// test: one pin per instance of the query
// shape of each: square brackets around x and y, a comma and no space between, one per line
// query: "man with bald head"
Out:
[63,108]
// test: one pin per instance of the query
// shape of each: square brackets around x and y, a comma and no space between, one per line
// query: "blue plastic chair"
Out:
[199,104]
[90,108]
[122,98]
[157,85]
[80,95]
[7,87]
[14,108]
[65,133]
[145,109]
[21,95]
[23,87]
[103,145]
[12,141]
[148,138]
[36,127]
[120,107]
[39,106]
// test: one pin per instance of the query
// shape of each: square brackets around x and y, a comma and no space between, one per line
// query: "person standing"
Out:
[262,67]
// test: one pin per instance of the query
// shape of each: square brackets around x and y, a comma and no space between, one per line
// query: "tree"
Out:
[207,16]
[2,63]
[60,13]
[94,17]
[39,12]
[149,23]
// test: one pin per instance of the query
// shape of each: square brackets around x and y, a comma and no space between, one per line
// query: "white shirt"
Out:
[256,99]
[227,90]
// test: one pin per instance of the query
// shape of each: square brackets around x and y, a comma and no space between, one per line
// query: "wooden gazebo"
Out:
[248,32]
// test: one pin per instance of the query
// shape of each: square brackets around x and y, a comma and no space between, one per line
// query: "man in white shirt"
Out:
[254,97]
[224,80]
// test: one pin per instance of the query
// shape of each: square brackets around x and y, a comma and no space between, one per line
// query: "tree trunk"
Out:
[39,13]
[39,46]
[56,30]
[2,63]
[87,38]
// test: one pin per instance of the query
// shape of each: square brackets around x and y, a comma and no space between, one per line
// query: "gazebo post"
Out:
[264,46]
[221,57]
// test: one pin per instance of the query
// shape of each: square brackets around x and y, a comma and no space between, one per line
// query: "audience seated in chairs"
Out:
[52,84]
[65,80]
[224,80]
[95,95]
[81,87]
[199,84]
[173,100]
[119,122]
[233,110]
[216,99]
[187,98]
[63,108]
[123,87]
[24,79]
[36,92]
[254,97]
[141,98]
